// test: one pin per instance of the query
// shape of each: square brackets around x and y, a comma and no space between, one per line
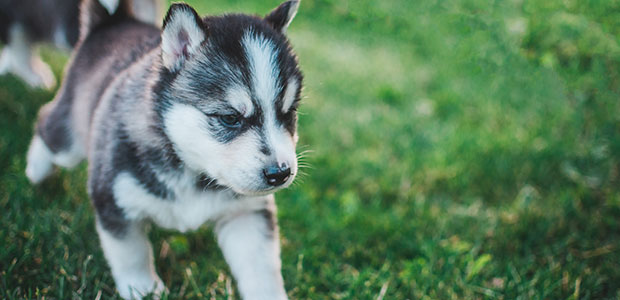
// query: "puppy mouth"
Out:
[257,193]
[261,192]
[264,191]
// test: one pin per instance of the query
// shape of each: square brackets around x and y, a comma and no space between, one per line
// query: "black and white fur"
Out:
[26,23]
[190,124]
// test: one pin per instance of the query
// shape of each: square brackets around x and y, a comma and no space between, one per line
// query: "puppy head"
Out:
[231,87]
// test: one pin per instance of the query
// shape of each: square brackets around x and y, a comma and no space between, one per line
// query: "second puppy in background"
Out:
[26,24]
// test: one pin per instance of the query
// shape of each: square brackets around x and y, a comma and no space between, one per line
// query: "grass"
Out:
[459,149]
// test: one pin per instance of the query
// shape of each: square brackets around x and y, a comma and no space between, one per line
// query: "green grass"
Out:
[461,150]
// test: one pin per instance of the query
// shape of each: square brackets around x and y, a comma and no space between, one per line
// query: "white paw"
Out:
[39,161]
[136,287]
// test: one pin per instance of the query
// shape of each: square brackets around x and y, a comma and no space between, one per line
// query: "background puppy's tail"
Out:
[94,13]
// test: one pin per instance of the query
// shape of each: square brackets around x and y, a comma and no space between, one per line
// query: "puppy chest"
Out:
[185,209]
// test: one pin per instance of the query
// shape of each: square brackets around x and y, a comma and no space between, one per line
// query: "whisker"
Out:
[302,146]
[305,152]
[298,182]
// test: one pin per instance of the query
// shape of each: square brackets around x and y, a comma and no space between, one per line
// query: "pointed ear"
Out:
[282,15]
[182,35]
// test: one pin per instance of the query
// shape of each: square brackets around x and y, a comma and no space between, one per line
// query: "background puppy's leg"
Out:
[130,257]
[17,58]
[251,247]
[5,60]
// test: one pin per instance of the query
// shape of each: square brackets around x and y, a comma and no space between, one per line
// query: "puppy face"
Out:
[232,91]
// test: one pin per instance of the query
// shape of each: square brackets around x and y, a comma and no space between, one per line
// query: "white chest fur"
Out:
[189,209]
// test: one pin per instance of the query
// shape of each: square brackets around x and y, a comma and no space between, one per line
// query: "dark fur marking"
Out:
[110,216]
[205,182]
[128,157]
[264,147]
[6,20]
[271,221]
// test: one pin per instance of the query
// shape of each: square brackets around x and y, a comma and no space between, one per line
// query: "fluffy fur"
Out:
[190,124]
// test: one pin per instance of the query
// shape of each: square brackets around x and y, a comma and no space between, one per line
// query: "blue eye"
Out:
[231,121]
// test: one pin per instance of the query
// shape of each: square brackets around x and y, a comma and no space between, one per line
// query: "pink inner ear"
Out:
[182,44]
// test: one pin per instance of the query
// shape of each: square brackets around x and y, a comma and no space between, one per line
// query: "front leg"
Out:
[251,246]
[130,257]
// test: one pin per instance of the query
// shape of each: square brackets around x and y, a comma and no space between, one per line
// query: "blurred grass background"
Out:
[460,150]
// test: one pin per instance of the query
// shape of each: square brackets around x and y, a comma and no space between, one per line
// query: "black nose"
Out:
[277,175]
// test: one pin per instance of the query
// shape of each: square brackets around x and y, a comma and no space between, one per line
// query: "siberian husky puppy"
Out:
[190,124]
[25,23]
